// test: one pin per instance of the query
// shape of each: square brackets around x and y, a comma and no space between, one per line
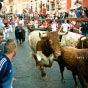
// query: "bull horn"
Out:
[60,33]
[42,35]
[83,38]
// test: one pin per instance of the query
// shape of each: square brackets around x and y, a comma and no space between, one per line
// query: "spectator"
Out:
[45,24]
[31,22]
[65,27]
[77,13]
[54,26]
[10,24]
[86,12]
[83,13]
[16,21]
[21,22]
[72,23]
[66,15]
[7,29]
[36,23]
[72,13]
[84,29]
[6,67]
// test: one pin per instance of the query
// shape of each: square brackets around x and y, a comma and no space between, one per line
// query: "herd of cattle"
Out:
[70,51]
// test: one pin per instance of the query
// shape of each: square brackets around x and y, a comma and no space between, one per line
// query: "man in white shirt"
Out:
[21,22]
[36,23]
[54,26]
[72,13]
[65,27]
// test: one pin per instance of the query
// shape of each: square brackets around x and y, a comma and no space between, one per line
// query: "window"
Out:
[53,5]
[41,6]
[47,7]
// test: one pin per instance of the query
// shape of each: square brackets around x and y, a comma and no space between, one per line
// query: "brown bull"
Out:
[75,60]
[45,48]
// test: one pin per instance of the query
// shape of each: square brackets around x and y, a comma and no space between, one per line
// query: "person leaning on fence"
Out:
[6,67]
[84,28]
[65,27]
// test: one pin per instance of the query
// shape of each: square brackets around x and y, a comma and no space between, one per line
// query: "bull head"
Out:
[52,38]
[42,35]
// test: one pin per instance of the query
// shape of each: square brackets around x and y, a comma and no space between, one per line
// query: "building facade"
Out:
[51,6]
[76,3]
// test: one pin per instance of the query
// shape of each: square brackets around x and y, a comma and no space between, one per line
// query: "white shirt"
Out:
[36,24]
[65,27]
[73,15]
[54,26]
[21,22]
[31,22]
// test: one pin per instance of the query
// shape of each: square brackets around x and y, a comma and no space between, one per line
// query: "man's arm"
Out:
[80,30]
[69,28]
[61,28]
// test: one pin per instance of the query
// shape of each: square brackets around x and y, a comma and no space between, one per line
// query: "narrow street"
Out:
[67,17]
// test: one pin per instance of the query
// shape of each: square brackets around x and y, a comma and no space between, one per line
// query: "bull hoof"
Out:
[37,64]
[44,77]
[63,81]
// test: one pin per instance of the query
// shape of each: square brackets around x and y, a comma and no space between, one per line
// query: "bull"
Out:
[76,60]
[74,40]
[45,48]
[20,34]
[71,39]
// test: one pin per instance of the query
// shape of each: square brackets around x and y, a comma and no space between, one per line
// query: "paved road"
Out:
[28,76]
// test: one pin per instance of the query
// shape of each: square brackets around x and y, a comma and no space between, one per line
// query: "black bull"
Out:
[20,34]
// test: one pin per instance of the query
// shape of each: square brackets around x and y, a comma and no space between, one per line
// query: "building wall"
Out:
[65,5]
[69,4]
[19,5]
[85,3]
